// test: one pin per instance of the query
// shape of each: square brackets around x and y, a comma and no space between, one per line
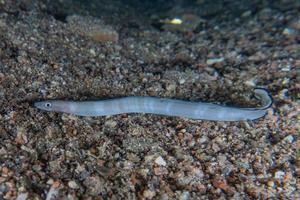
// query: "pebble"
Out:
[247,13]
[111,123]
[50,181]
[72,184]
[271,184]
[186,23]
[171,87]
[212,61]
[288,31]
[283,94]
[251,82]
[160,161]
[222,184]
[279,174]
[22,196]
[285,81]
[94,185]
[93,52]
[197,173]
[286,68]
[52,193]
[289,139]
[184,195]
[160,171]
[182,81]
[148,194]
[203,139]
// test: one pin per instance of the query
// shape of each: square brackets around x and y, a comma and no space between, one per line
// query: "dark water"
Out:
[158,9]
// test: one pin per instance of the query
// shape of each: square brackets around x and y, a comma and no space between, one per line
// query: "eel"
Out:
[160,106]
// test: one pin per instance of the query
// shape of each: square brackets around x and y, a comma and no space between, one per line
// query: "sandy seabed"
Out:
[106,49]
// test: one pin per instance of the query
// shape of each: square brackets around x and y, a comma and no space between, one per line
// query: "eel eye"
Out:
[48,105]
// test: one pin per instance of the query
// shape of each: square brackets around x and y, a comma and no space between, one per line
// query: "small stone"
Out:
[186,23]
[251,82]
[283,94]
[212,61]
[203,139]
[247,13]
[94,185]
[50,181]
[56,184]
[72,185]
[222,184]
[288,31]
[286,68]
[182,81]
[184,195]
[52,193]
[111,124]
[148,194]
[21,136]
[149,158]
[271,184]
[197,173]
[285,81]
[171,87]
[201,188]
[176,21]
[22,196]
[93,52]
[289,139]
[5,172]
[160,161]
[2,179]
[288,177]
[160,171]
[279,174]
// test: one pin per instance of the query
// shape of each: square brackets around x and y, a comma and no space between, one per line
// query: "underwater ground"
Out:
[196,50]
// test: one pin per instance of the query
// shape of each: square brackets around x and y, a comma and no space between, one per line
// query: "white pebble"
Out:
[279,174]
[182,81]
[184,195]
[203,139]
[160,161]
[247,13]
[52,193]
[22,196]
[287,68]
[283,94]
[72,185]
[288,31]
[111,124]
[212,61]
[93,52]
[251,82]
[289,139]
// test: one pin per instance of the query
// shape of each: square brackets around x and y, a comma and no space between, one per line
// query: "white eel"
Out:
[159,106]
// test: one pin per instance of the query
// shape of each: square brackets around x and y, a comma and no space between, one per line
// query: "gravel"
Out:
[224,51]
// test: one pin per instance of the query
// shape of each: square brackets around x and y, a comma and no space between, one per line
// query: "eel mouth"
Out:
[39,105]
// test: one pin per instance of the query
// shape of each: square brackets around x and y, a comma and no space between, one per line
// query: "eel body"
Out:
[153,105]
